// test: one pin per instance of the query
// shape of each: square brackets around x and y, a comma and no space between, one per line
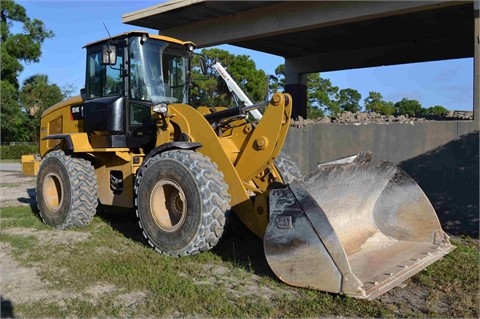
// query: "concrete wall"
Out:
[395,142]
[442,157]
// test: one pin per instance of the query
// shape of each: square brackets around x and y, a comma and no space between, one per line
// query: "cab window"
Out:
[103,80]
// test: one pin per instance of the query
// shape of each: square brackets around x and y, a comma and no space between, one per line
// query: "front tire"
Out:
[182,202]
[67,191]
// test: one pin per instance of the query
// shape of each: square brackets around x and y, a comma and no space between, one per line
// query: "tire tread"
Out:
[82,178]
[215,206]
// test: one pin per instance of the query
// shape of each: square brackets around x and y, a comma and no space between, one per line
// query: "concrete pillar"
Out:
[476,64]
[296,86]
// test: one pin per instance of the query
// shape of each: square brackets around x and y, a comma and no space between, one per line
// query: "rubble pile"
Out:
[372,117]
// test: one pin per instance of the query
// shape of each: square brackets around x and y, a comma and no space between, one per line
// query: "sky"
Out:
[75,23]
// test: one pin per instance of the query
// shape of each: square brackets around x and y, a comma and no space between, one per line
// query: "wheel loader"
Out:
[353,226]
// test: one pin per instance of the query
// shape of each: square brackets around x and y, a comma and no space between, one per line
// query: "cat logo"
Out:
[76,112]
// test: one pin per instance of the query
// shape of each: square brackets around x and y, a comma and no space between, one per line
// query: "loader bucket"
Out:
[358,229]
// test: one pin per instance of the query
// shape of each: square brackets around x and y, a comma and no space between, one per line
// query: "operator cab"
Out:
[126,76]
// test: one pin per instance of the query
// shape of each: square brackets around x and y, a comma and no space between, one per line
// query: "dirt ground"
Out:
[19,284]
[15,188]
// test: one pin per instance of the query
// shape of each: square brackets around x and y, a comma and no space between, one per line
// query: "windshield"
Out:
[158,71]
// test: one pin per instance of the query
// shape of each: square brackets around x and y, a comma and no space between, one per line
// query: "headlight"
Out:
[160,108]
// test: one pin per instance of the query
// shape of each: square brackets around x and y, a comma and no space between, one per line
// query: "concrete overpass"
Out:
[319,36]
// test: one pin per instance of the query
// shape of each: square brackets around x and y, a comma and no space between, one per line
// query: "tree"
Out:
[24,47]
[349,100]
[277,82]
[12,118]
[212,91]
[36,95]
[321,94]
[375,103]
[408,107]
[435,110]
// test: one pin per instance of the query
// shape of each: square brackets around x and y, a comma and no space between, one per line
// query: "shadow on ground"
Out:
[449,176]
[6,308]
[238,245]
[31,199]
[122,220]
[242,247]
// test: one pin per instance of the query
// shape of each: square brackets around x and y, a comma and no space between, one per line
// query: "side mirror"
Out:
[83,93]
[109,54]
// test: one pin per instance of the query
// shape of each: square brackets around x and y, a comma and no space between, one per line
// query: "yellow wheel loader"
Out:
[353,226]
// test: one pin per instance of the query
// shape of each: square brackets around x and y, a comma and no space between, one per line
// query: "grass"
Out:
[457,274]
[105,270]
[9,185]
[2,160]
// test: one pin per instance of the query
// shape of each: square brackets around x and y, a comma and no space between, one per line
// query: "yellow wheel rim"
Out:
[53,191]
[168,206]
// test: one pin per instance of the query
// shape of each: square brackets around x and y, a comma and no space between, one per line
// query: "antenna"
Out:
[107,30]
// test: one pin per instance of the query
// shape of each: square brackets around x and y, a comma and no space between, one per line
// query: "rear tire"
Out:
[67,191]
[182,202]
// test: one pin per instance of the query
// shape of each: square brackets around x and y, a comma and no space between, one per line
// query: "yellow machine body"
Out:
[232,151]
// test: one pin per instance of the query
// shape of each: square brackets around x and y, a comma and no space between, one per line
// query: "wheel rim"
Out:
[53,191]
[168,206]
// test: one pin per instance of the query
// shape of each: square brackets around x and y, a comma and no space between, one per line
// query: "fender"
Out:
[172,146]
[74,142]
